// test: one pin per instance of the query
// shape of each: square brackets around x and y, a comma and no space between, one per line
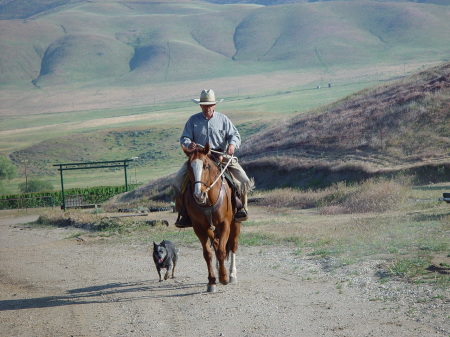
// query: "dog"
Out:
[165,255]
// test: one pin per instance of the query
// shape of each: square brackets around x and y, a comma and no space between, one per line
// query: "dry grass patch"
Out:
[372,195]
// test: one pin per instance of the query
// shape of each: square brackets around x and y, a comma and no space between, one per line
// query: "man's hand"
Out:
[192,146]
[231,149]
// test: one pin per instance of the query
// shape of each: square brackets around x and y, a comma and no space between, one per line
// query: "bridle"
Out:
[209,210]
[201,182]
[221,172]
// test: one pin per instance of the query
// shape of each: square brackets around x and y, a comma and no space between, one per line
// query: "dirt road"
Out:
[52,284]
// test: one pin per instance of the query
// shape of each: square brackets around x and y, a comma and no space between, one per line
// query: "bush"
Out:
[7,169]
[35,186]
[90,195]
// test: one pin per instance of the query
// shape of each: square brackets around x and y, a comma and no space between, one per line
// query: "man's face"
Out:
[208,110]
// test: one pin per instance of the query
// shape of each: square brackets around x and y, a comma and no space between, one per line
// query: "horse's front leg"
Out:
[221,254]
[208,255]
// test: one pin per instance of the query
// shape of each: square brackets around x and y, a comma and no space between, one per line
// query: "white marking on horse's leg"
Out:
[233,271]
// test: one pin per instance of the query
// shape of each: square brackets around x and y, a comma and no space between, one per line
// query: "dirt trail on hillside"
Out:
[55,284]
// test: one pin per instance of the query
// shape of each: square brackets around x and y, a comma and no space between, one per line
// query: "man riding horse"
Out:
[210,126]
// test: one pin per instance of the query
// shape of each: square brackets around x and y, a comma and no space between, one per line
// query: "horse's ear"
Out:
[207,148]
[185,150]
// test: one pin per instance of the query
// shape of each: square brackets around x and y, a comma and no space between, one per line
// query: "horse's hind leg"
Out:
[233,241]
[233,271]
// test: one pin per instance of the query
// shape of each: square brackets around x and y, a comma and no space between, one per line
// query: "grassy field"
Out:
[151,131]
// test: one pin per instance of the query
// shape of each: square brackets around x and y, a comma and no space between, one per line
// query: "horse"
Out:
[208,200]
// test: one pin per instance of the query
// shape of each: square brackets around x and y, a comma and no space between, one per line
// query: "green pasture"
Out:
[250,113]
[79,136]
[31,129]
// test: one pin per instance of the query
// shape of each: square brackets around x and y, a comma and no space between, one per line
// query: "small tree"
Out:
[7,168]
[36,186]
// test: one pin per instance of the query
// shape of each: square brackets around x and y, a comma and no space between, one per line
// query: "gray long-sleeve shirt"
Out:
[218,131]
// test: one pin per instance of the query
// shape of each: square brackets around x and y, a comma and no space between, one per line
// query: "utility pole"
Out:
[134,164]
[26,176]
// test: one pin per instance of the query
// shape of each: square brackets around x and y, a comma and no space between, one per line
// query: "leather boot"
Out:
[183,220]
[241,214]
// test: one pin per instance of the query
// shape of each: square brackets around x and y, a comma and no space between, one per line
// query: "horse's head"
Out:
[199,168]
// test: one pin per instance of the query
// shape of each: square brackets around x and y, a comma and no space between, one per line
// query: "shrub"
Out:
[7,169]
[35,186]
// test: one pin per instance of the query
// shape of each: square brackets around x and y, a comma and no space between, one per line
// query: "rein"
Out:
[221,172]
[220,175]
[209,210]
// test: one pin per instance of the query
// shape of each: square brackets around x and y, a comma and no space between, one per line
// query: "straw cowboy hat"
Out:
[207,97]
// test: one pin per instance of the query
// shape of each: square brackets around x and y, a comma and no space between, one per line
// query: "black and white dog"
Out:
[165,254]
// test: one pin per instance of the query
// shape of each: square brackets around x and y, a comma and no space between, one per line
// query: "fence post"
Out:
[126,178]
[62,188]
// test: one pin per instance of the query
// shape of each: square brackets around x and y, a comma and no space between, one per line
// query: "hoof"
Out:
[211,288]
[233,280]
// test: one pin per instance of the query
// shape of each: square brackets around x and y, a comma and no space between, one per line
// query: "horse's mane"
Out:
[192,152]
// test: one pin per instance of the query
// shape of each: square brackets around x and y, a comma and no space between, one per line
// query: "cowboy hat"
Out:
[207,97]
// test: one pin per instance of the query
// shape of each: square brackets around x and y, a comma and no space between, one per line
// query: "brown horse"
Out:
[208,201]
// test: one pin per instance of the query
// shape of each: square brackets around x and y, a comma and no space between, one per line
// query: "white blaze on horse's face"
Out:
[197,168]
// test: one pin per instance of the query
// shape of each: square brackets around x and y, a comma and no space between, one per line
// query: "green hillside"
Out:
[399,126]
[75,75]
[130,43]
[403,126]
[149,144]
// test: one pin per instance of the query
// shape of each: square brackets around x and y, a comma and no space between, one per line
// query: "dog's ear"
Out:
[154,244]
[163,243]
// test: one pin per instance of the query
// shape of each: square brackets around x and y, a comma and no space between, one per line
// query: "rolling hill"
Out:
[400,127]
[101,43]
[98,70]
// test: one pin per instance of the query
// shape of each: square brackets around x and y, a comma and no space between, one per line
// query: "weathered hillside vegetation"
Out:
[397,127]
[399,130]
